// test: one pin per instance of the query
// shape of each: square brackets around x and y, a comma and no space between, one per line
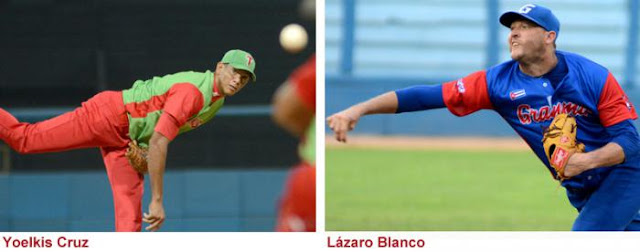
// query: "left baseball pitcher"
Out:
[151,113]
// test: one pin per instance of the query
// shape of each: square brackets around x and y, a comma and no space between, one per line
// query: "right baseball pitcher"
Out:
[593,147]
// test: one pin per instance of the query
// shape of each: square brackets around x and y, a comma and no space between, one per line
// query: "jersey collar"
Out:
[216,93]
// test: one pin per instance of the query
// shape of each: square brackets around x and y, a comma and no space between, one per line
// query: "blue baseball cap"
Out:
[540,15]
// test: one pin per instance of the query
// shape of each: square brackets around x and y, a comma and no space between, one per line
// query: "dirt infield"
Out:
[429,143]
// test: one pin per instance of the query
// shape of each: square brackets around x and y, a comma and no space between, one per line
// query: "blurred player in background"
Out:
[151,114]
[294,106]
[541,83]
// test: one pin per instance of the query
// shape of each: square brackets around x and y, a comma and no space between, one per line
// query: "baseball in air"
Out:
[293,38]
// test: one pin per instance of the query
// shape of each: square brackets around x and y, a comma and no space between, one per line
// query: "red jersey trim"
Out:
[216,94]
[467,95]
[178,104]
[183,102]
[614,105]
[168,126]
[215,88]
[141,109]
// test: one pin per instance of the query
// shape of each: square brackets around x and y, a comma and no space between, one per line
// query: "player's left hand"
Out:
[155,217]
[577,163]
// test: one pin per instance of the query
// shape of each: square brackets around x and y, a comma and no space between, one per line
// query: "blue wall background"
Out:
[195,200]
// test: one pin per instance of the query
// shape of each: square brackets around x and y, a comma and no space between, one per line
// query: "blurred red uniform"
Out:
[297,210]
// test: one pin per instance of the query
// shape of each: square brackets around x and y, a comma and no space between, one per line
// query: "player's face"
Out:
[526,40]
[231,80]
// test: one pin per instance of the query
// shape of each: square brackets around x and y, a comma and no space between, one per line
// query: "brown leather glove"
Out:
[559,141]
[137,157]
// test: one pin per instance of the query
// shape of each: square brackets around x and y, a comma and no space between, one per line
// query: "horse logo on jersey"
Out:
[526,114]
[517,94]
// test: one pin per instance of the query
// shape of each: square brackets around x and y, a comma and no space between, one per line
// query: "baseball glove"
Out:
[137,157]
[559,141]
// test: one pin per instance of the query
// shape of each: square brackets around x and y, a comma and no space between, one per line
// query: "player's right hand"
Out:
[341,123]
[155,217]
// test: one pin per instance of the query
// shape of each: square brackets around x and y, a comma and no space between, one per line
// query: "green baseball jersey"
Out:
[171,104]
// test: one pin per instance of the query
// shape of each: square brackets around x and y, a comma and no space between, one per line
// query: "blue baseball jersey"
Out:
[607,198]
[577,86]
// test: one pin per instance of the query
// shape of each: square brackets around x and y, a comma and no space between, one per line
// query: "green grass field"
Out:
[432,190]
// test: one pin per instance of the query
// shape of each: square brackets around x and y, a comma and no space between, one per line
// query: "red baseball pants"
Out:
[297,212]
[100,122]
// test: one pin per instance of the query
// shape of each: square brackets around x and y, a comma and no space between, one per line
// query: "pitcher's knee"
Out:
[17,146]
[21,147]
[16,138]
[22,150]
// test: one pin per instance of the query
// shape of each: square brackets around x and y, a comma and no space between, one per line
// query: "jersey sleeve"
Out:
[614,105]
[417,98]
[467,95]
[304,81]
[625,134]
[184,100]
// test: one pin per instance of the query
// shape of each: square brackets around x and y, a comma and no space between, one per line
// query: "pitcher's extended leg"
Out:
[98,122]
